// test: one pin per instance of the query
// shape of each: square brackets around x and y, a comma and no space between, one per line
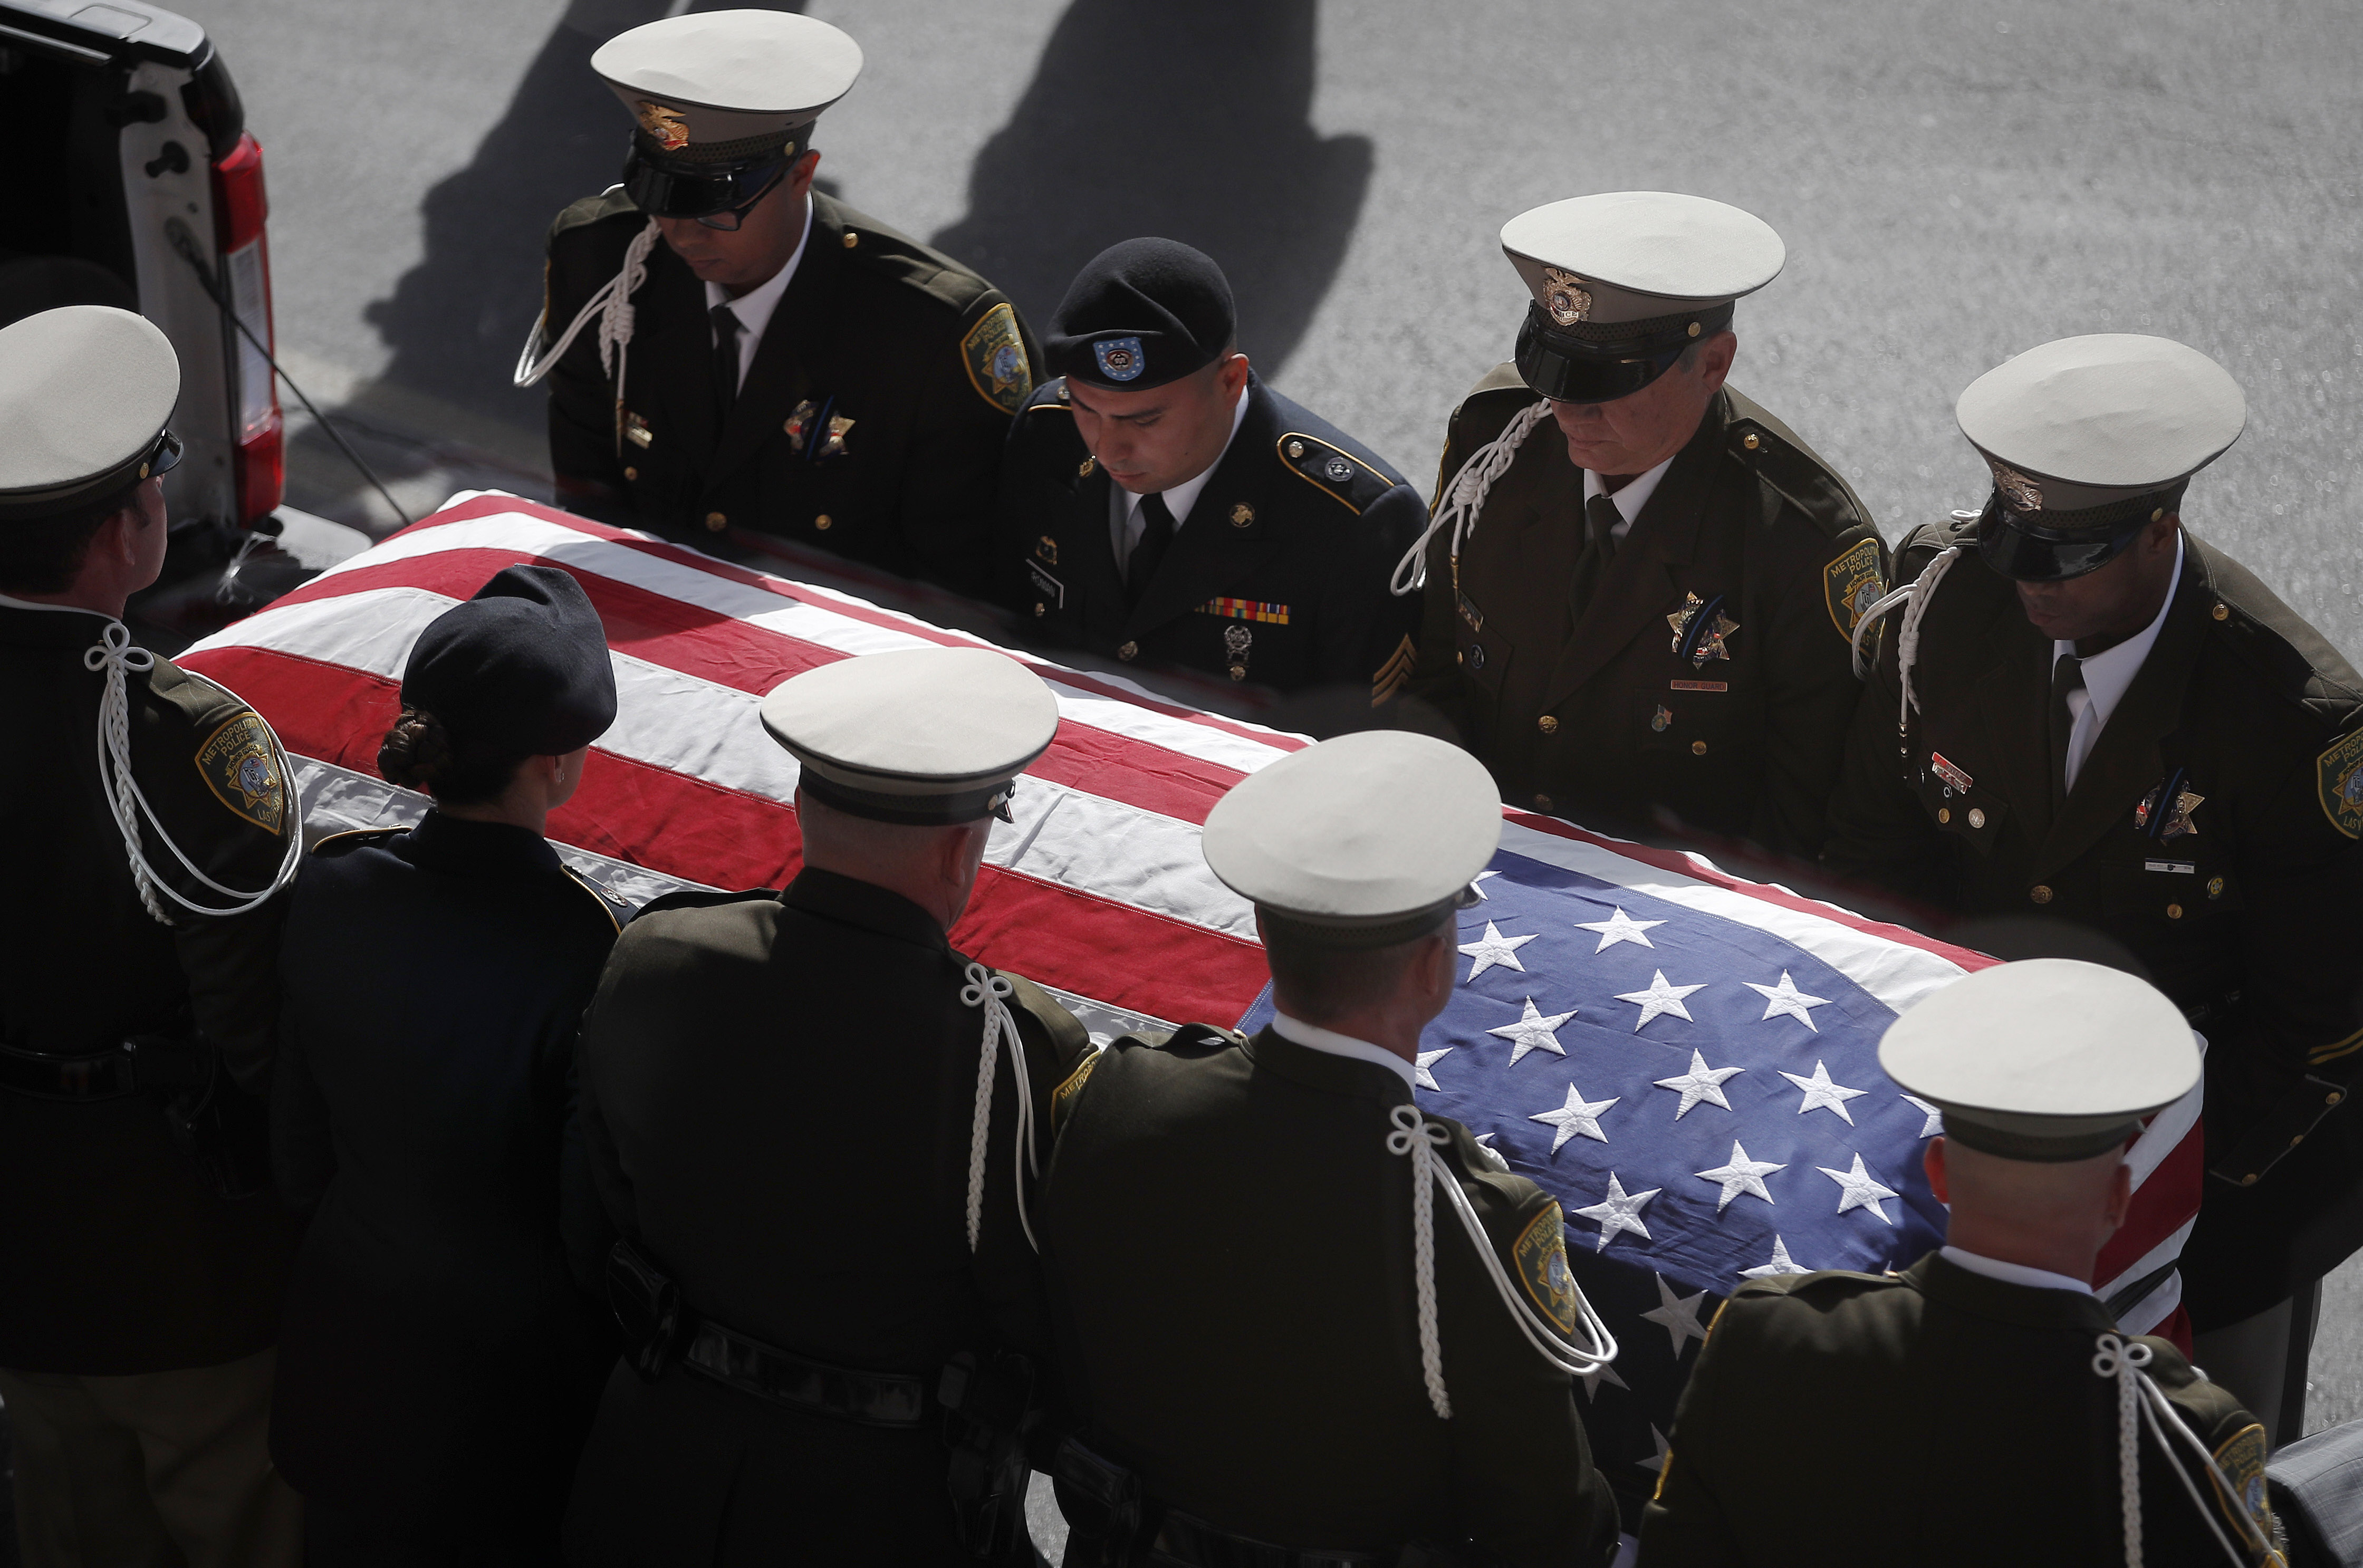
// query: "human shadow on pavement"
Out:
[1193,122]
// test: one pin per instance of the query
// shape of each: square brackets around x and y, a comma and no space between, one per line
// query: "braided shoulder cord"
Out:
[985,989]
[1465,496]
[612,306]
[1414,1135]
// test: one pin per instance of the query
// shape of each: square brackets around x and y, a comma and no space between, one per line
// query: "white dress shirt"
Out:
[754,308]
[1629,500]
[1315,1038]
[1124,525]
[2014,1274]
[2108,674]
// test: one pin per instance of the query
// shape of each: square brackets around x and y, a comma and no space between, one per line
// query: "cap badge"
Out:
[2022,493]
[664,124]
[1565,298]
[1120,358]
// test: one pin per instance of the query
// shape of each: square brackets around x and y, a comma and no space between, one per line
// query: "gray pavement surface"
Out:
[1956,180]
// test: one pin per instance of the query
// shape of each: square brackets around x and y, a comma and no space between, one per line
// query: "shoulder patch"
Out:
[1851,584]
[1332,470]
[335,844]
[240,763]
[994,352]
[2242,1460]
[1063,1097]
[2338,777]
[1541,1256]
[1793,469]
[618,910]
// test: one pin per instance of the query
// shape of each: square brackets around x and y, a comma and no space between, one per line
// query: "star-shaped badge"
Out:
[1677,1314]
[1741,1176]
[1786,1000]
[1578,1116]
[1823,1095]
[1427,1059]
[1533,1033]
[1700,1083]
[1617,928]
[1660,997]
[1620,1211]
[1859,1189]
[1493,948]
[1781,1263]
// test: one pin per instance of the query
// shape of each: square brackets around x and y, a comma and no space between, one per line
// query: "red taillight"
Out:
[242,210]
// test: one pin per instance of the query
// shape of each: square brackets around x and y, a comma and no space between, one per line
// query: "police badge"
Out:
[2178,820]
[1565,297]
[665,125]
[2022,493]
[1700,629]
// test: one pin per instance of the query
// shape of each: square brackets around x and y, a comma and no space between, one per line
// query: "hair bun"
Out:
[417,752]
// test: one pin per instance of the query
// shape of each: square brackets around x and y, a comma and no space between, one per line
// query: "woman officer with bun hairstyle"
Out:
[437,1364]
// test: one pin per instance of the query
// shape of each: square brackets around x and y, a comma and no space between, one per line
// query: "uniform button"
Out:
[715,522]
[2222,613]
[851,239]
[1542,803]
[2296,1139]
[1750,442]
[1238,672]
[2333,1097]
[1128,652]
[1944,814]
[631,473]
[2214,887]
[2039,893]
[2174,911]
[1296,449]
[824,522]
[2249,1179]
[1459,657]
[1548,725]
[1698,748]
[1040,608]
[1976,818]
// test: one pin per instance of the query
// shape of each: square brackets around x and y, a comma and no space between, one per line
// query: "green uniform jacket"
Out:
[1935,1417]
[1601,718]
[776,1102]
[118,1256]
[870,422]
[2247,908]
[1229,1246]
[1277,578]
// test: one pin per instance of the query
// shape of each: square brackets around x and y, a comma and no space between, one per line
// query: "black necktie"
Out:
[1601,517]
[1155,538]
[726,357]
[2067,676]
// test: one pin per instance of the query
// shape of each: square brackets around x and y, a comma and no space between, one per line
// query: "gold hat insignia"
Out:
[2018,489]
[1565,297]
[664,124]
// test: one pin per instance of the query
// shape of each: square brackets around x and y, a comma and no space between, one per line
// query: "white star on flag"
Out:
[1935,1122]
[1617,928]
[1781,1263]
[1477,883]
[1677,1314]
[1427,1059]
[1664,1448]
[1786,998]
[1823,1095]
[1700,1083]
[1493,948]
[1857,1189]
[1660,997]
[1578,1116]
[1592,1381]
[1533,1033]
[1620,1211]
[1742,1175]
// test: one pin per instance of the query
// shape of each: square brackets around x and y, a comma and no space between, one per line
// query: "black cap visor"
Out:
[2017,547]
[1570,369]
[674,190]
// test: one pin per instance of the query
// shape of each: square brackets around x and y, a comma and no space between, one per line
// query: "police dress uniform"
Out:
[1967,1410]
[2209,831]
[870,416]
[438,1366]
[1263,1365]
[1276,575]
[1700,671]
[140,1301]
[780,1100]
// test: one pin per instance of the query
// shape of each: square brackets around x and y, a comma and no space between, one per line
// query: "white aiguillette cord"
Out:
[1414,1135]
[612,306]
[2138,1393]
[115,654]
[1465,496]
[985,989]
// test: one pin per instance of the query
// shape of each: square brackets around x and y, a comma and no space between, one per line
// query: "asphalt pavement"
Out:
[1956,181]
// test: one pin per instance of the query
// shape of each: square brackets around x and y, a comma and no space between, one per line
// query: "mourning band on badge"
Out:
[2051,547]
[160,456]
[2036,1150]
[1361,935]
[1588,364]
[911,810]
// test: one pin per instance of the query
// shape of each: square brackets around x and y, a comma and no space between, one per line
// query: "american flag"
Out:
[1687,1061]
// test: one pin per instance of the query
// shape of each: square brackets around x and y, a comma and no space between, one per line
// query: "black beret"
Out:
[520,668]
[1142,314]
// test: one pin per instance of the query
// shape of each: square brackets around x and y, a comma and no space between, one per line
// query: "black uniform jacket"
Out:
[870,422]
[778,1093]
[1230,1253]
[1278,577]
[2246,907]
[1934,1417]
[1603,718]
[438,1365]
[116,1255]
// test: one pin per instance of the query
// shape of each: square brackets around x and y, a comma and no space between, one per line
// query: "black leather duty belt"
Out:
[98,1076]
[864,1398]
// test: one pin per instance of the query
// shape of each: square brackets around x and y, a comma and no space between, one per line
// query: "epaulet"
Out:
[336,844]
[1346,478]
[609,203]
[1791,469]
[702,898]
[616,908]
[1069,1037]
[1189,1036]
[1050,397]
[2295,660]
[881,248]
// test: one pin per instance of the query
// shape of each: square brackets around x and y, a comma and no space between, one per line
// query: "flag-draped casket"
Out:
[1685,1059]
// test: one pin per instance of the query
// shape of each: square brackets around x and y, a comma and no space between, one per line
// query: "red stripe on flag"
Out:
[2169,1196]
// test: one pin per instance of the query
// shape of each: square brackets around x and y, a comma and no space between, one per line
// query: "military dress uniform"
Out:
[869,418]
[1970,1409]
[141,1303]
[1301,1384]
[2211,830]
[1276,573]
[1697,674]
[780,1107]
